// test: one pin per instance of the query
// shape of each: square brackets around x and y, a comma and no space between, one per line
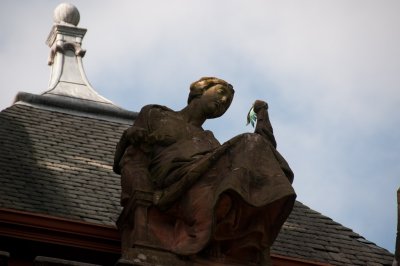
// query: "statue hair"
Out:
[197,88]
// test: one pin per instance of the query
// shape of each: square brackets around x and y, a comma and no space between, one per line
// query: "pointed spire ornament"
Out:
[68,77]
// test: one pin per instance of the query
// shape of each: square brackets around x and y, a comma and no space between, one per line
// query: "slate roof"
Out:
[310,235]
[60,163]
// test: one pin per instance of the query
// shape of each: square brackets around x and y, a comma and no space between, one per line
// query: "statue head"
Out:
[216,95]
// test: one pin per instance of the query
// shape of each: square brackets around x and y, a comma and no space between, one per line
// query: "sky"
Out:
[329,70]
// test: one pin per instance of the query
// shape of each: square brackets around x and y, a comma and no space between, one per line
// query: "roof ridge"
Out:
[76,106]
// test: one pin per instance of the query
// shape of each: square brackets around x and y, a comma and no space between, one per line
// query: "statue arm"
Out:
[131,158]
[119,152]
[135,135]
[264,127]
[135,173]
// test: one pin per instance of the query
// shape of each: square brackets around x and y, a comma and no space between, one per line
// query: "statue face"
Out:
[216,100]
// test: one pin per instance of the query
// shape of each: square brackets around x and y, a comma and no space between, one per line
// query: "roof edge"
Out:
[50,229]
[291,261]
[82,106]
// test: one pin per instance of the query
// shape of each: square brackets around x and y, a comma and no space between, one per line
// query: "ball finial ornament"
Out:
[66,13]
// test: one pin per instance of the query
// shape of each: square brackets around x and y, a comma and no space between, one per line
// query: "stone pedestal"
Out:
[142,256]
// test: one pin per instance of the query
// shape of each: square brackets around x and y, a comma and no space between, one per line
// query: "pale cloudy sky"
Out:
[328,69]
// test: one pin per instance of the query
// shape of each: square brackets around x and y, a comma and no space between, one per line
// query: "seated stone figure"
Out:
[204,200]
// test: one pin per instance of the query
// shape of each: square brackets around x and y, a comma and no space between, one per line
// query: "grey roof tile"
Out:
[325,240]
[55,163]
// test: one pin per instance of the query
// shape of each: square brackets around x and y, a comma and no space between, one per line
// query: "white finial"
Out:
[66,13]
[68,77]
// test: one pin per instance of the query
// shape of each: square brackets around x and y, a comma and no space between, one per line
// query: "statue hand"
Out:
[254,112]
[259,105]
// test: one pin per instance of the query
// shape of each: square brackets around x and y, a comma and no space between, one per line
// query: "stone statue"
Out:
[186,194]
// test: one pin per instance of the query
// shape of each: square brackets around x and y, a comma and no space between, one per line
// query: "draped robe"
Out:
[232,197]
